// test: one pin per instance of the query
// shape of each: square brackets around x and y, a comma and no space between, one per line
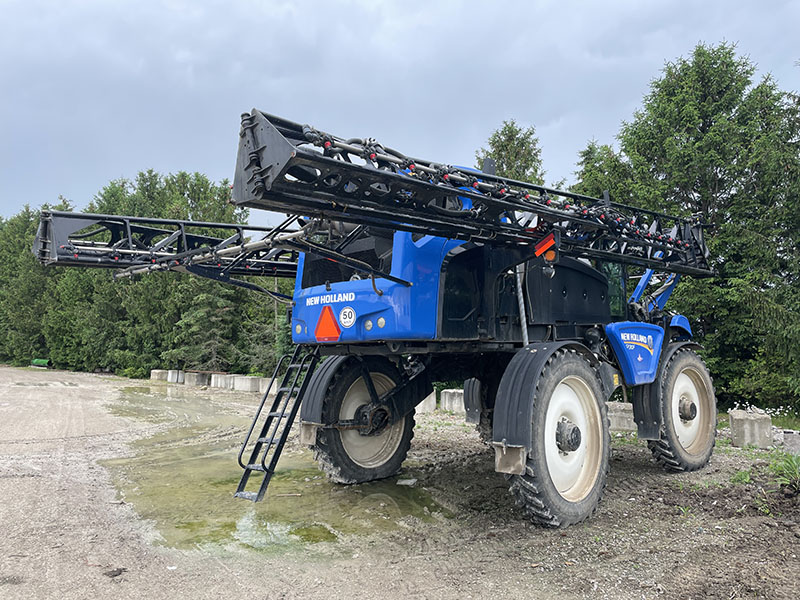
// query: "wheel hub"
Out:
[568,436]
[371,421]
[687,409]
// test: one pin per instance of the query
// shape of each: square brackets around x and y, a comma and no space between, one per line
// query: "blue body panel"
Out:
[638,349]
[409,312]
[682,323]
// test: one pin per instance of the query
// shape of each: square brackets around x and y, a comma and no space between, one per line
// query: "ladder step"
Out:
[288,389]
[266,440]
[256,467]
[252,496]
[277,414]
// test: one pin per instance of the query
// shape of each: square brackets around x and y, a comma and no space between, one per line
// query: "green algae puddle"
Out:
[183,480]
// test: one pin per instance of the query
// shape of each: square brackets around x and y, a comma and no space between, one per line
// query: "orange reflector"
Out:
[550,255]
[544,245]
[327,329]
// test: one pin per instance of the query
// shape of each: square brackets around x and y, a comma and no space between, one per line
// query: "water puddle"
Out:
[183,480]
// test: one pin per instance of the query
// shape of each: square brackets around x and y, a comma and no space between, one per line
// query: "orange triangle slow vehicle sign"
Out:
[327,329]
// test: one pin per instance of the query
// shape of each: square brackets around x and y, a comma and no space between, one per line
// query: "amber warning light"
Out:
[327,329]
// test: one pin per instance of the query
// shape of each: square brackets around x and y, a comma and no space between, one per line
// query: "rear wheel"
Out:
[689,413]
[347,456]
[566,471]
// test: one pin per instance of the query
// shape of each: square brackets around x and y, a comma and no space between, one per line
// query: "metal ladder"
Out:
[278,422]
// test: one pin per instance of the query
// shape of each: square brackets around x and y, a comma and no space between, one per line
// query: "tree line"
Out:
[83,320]
[708,139]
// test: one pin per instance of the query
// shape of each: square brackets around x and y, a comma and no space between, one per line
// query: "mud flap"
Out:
[510,459]
[647,410]
[473,401]
[646,399]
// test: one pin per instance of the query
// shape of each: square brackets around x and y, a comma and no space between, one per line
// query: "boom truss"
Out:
[288,167]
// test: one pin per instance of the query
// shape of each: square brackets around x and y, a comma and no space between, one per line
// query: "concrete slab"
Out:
[620,414]
[428,405]
[453,401]
[197,379]
[245,383]
[175,376]
[158,375]
[749,428]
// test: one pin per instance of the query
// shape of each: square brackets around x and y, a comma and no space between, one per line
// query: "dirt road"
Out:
[114,489]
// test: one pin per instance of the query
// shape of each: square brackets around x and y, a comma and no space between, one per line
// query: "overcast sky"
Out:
[94,90]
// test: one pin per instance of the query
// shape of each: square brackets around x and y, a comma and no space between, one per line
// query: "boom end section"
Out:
[264,153]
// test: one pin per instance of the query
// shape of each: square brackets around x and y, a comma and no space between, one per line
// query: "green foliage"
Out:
[785,468]
[83,320]
[515,151]
[742,477]
[24,288]
[208,330]
[709,140]
[601,169]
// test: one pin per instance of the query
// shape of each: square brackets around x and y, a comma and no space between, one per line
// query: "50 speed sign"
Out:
[347,317]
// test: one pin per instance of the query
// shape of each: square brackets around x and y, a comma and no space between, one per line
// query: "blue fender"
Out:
[682,323]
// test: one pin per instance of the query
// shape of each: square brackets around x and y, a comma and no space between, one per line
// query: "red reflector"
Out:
[543,245]
[327,329]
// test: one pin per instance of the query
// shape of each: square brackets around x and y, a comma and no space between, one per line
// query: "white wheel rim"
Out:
[689,386]
[369,451]
[574,473]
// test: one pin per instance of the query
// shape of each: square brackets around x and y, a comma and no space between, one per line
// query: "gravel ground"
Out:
[68,532]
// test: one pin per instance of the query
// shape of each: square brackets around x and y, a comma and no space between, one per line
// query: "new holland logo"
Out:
[330,298]
[637,340]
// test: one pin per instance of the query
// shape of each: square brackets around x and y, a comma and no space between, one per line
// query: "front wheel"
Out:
[689,413]
[346,455]
[567,468]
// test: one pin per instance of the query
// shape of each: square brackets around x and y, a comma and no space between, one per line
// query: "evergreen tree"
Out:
[515,151]
[710,141]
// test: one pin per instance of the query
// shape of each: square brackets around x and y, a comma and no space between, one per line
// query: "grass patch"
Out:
[742,477]
[786,421]
[785,469]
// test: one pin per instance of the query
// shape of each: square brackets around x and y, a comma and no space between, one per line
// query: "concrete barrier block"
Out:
[453,401]
[175,376]
[196,379]
[158,375]
[750,429]
[791,441]
[428,405]
[245,383]
[219,380]
[263,382]
[620,414]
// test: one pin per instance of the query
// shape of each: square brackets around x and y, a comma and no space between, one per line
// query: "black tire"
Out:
[686,444]
[554,502]
[347,456]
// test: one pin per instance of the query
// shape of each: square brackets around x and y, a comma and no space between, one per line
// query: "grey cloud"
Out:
[91,91]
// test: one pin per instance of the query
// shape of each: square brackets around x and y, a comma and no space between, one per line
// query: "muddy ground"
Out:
[109,488]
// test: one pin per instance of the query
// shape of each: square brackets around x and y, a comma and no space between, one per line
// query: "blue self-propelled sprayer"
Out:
[409,271]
